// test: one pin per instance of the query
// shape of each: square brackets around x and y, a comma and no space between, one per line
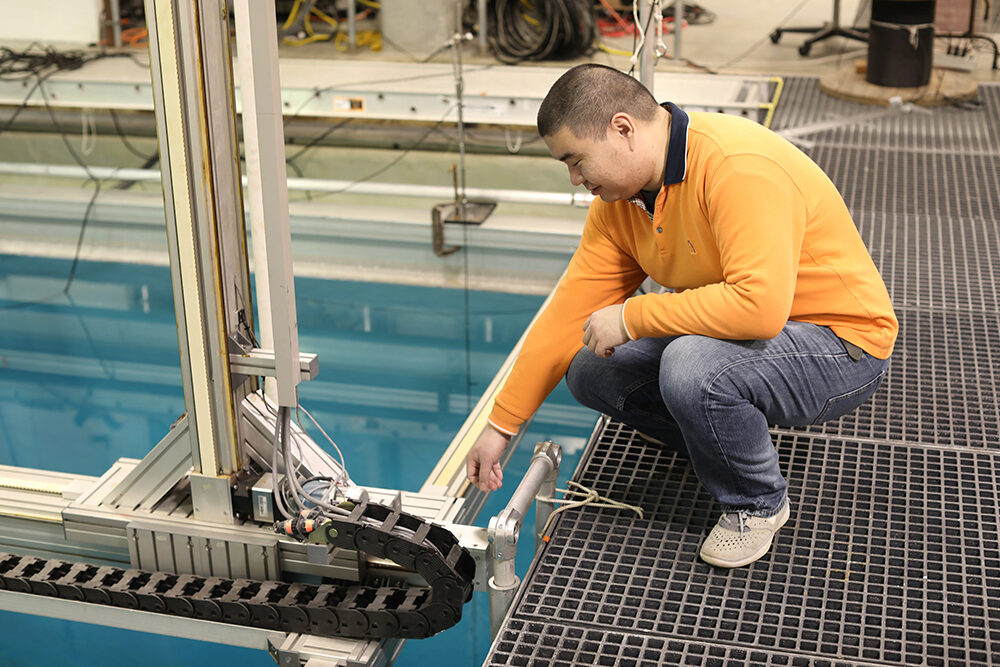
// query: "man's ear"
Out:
[623,125]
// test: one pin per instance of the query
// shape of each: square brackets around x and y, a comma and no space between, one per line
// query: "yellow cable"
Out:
[369,3]
[370,38]
[614,52]
[326,17]
[308,40]
[291,15]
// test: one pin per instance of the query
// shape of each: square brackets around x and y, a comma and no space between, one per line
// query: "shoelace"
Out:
[737,521]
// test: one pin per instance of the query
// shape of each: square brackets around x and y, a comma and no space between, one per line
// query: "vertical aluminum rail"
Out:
[190,63]
[267,189]
[538,482]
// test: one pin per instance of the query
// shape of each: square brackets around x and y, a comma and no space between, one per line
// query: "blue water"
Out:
[90,378]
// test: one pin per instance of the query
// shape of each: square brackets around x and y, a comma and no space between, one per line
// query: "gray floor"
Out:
[891,554]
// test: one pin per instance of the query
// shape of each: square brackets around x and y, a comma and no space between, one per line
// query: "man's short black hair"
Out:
[586,98]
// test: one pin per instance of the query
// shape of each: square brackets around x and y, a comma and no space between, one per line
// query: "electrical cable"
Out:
[317,140]
[275,484]
[121,135]
[520,30]
[345,478]
[391,164]
[33,64]
[636,44]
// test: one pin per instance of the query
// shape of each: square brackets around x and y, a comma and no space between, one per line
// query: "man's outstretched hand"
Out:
[604,330]
[482,466]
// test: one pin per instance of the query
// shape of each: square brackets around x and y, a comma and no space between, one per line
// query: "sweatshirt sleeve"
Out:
[601,273]
[757,217]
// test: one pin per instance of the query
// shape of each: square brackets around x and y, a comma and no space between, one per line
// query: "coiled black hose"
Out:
[522,30]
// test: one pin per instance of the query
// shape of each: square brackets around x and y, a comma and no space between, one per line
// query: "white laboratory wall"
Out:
[47,22]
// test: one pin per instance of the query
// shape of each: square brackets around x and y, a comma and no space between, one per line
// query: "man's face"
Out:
[606,167]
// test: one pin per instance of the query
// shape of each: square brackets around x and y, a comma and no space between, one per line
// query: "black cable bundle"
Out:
[540,29]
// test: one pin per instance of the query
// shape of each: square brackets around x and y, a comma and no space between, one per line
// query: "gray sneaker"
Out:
[740,538]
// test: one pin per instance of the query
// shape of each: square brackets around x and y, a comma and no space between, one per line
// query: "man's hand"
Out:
[604,331]
[482,466]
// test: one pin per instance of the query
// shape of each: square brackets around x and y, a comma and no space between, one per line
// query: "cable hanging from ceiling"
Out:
[522,30]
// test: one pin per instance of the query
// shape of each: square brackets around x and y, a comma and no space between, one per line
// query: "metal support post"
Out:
[352,28]
[678,24]
[481,19]
[116,22]
[648,50]
[505,528]
[459,96]
[547,490]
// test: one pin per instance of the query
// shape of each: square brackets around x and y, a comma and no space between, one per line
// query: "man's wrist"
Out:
[507,435]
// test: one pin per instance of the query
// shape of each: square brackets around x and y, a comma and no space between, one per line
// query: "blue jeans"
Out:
[714,399]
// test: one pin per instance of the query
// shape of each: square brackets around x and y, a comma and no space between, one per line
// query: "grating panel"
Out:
[942,384]
[935,263]
[948,129]
[803,103]
[989,95]
[534,644]
[901,182]
[891,555]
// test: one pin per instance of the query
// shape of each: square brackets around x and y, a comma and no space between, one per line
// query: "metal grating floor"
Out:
[931,262]
[942,388]
[870,568]
[892,554]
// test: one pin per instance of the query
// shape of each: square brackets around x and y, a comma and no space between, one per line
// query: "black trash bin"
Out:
[901,43]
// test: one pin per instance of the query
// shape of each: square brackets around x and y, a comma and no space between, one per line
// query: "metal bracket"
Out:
[503,533]
[260,362]
[284,657]
[472,213]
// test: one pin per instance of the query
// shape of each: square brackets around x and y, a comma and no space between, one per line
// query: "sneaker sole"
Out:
[757,555]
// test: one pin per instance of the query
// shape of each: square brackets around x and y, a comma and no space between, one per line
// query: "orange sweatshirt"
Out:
[748,231]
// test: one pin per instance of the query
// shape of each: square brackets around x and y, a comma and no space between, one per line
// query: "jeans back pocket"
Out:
[838,406]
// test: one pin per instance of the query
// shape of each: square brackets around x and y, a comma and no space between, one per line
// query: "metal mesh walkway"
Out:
[892,554]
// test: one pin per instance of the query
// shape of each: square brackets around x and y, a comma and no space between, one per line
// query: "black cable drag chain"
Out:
[355,611]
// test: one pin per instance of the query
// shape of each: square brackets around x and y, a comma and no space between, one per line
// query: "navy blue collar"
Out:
[676,165]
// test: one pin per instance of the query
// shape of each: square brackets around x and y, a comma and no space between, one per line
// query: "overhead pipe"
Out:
[437,192]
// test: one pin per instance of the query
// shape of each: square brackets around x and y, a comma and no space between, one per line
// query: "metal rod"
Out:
[483,32]
[678,25]
[313,185]
[116,21]
[539,471]
[459,91]
[352,29]
[648,49]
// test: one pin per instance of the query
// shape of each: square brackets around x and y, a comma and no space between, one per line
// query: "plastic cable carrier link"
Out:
[354,610]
